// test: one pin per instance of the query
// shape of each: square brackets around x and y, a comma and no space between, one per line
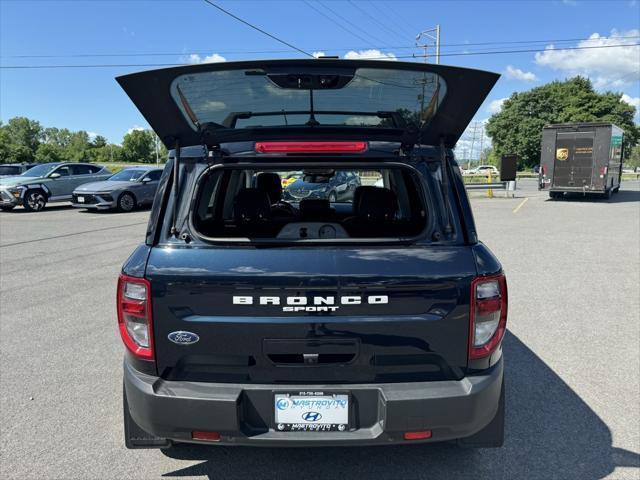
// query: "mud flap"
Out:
[491,436]
[134,436]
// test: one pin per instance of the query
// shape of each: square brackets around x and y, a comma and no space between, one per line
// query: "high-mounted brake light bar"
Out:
[311,147]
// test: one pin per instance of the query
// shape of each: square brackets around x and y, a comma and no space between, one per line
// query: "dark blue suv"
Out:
[252,315]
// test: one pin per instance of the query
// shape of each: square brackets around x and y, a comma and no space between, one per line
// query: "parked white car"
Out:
[483,170]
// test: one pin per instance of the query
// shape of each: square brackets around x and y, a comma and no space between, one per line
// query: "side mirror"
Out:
[54,175]
[146,180]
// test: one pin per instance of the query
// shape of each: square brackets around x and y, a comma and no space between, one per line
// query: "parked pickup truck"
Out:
[254,319]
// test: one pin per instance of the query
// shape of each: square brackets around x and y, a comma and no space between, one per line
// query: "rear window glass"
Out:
[310,204]
[364,97]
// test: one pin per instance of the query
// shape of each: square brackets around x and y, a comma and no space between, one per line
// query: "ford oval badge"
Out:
[183,338]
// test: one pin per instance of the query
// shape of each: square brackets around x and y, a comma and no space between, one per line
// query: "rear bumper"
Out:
[243,414]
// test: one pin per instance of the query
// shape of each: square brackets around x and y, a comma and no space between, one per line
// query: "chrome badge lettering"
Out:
[311,304]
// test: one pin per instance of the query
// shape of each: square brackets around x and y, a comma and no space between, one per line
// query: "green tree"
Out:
[20,138]
[139,146]
[99,142]
[50,152]
[517,128]
[634,157]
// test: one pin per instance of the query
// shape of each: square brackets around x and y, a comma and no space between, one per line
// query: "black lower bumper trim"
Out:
[243,414]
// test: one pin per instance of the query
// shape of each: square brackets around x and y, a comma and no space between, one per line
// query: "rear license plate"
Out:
[80,199]
[315,412]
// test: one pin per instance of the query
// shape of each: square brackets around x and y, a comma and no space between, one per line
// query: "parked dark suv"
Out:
[253,318]
[324,184]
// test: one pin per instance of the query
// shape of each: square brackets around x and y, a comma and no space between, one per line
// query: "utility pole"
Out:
[473,138]
[481,141]
[431,38]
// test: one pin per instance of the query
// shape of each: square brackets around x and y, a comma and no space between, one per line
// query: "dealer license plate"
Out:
[80,199]
[313,412]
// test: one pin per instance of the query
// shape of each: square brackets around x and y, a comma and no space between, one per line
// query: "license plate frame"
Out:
[339,418]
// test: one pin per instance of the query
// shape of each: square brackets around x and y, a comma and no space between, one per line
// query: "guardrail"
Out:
[508,187]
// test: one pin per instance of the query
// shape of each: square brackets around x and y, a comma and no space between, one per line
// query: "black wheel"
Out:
[126,202]
[333,197]
[34,200]
[7,208]
[607,194]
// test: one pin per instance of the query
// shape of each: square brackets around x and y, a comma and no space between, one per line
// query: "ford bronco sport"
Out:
[251,318]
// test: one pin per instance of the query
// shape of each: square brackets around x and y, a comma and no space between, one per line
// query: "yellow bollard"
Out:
[490,191]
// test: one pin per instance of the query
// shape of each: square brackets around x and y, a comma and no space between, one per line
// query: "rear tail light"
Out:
[134,315]
[311,147]
[488,316]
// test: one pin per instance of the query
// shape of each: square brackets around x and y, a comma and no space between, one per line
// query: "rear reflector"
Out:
[206,436]
[421,435]
[311,147]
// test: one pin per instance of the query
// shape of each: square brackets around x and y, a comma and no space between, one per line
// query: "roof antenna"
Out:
[176,168]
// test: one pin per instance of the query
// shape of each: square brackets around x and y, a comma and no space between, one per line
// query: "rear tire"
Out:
[34,200]
[491,436]
[126,202]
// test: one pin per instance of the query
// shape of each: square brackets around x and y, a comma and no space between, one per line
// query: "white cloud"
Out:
[517,74]
[135,127]
[318,54]
[92,136]
[370,54]
[213,58]
[607,68]
[495,105]
[634,101]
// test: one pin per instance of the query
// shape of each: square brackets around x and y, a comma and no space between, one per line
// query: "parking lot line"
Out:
[515,210]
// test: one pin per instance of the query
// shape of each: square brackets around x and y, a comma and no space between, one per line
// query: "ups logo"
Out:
[562,153]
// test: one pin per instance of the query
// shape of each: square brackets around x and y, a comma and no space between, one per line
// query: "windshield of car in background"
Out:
[128,175]
[364,97]
[40,170]
[326,203]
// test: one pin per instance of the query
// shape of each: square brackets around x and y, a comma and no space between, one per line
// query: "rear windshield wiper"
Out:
[232,119]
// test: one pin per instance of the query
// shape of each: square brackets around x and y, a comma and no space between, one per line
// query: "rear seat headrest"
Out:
[271,184]
[375,204]
[251,205]
[315,208]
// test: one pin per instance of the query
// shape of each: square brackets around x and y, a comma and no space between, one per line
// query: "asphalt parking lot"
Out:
[572,354]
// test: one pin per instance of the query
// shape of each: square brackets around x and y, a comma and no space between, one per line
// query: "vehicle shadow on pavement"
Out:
[48,208]
[550,433]
[623,196]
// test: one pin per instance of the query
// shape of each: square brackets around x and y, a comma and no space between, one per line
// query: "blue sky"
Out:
[191,30]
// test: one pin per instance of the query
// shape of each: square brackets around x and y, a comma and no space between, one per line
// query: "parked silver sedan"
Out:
[126,190]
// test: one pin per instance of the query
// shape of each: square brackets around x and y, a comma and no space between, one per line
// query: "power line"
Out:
[347,21]
[363,47]
[351,32]
[257,28]
[364,11]
[369,58]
